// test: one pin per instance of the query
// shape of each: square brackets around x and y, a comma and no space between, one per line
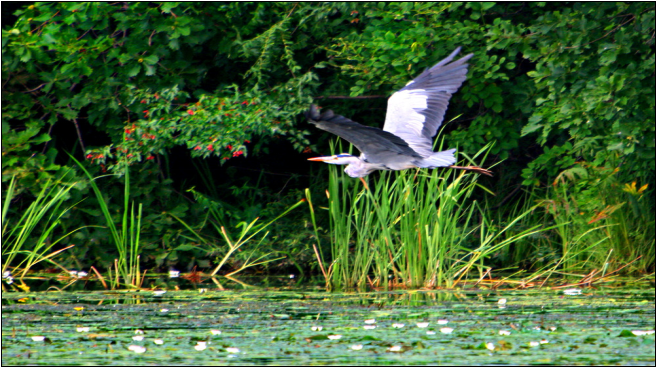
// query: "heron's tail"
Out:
[440,159]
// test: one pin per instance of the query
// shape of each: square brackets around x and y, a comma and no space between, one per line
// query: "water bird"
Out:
[414,114]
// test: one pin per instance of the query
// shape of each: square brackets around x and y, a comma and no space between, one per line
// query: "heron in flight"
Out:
[414,114]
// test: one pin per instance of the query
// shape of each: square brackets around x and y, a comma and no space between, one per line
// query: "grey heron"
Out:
[414,114]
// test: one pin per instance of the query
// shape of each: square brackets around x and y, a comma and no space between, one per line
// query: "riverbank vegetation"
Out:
[143,137]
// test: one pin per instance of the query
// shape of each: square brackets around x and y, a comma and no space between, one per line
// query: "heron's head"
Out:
[341,158]
[356,167]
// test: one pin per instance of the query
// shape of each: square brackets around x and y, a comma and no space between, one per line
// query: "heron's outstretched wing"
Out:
[415,112]
[377,145]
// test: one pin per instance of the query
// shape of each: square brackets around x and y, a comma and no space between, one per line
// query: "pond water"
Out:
[310,326]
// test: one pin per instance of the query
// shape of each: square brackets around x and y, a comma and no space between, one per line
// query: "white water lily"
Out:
[544,341]
[446,330]
[553,328]
[317,328]
[489,346]
[442,322]
[504,332]
[334,337]
[164,310]
[138,338]
[533,344]
[200,346]
[642,332]
[572,292]
[82,329]
[137,348]
[502,301]
[356,347]
[429,332]
[369,327]
[215,332]
[159,293]
[158,341]
[422,324]
[202,290]
[370,321]
[394,348]
[398,326]
[138,331]
[232,350]
[38,338]
[174,273]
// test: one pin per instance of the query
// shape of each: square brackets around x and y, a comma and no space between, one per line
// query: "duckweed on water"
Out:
[607,326]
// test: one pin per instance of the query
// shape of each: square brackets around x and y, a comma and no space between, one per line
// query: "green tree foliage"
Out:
[139,74]
[577,79]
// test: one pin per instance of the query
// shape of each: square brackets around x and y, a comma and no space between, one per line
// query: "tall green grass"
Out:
[29,240]
[246,232]
[412,228]
[601,223]
[126,239]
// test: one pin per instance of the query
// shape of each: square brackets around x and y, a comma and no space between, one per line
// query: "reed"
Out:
[412,228]
[40,221]
[127,238]
[235,243]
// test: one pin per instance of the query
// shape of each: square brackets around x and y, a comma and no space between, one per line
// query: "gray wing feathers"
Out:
[416,111]
[374,143]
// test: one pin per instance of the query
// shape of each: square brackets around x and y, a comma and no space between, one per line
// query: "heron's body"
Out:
[414,115]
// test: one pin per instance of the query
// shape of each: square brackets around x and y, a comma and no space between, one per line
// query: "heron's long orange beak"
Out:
[321,159]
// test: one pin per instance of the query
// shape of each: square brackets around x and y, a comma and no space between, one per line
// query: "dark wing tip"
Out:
[313,116]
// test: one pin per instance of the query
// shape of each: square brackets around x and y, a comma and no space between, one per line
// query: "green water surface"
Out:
[281,327]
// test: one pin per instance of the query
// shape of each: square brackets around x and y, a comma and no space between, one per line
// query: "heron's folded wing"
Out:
[374,143]
[416,111]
